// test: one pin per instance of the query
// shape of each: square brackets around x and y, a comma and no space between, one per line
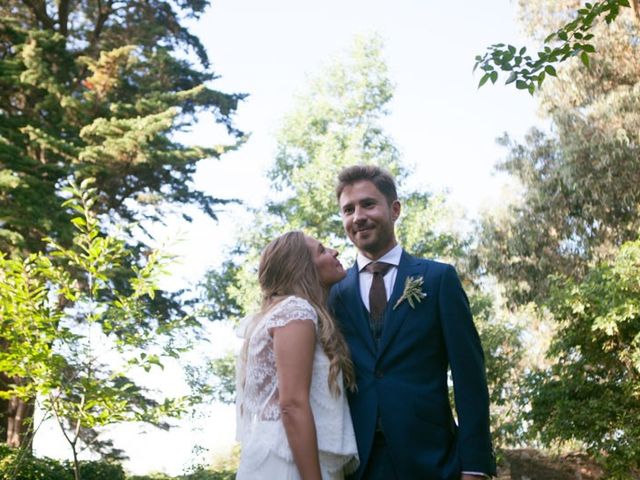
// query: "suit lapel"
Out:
[354,307]
[393,319]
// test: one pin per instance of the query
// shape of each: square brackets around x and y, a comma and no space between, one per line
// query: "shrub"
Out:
[20,465]
[100,470]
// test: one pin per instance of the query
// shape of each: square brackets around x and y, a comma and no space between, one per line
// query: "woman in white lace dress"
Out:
[293,420]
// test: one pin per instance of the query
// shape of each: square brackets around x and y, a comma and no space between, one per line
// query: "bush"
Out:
[100,470]
[20,465]
[153,476]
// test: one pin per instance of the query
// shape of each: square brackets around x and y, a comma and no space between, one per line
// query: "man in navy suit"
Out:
[407,320]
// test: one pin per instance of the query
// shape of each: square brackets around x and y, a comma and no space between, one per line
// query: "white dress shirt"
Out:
[392,257]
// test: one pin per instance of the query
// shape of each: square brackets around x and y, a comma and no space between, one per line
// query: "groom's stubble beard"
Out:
[384,238]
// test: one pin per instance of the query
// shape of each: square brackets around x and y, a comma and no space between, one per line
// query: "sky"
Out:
[444,126]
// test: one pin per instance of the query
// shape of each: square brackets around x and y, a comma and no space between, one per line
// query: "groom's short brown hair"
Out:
[382,180]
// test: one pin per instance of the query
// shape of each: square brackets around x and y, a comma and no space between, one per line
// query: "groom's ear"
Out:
[395,209]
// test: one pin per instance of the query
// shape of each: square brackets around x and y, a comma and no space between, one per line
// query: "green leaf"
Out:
[584,56]
[512,78]
[522,85]
[563,36]
[540,78]
[589,48]
[494,77]
[86,182]
[484,79]
[550,69]
[79,222]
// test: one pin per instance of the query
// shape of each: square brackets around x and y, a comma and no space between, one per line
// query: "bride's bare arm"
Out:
[294,346]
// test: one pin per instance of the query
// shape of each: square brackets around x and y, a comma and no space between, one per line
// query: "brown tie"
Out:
[377,296]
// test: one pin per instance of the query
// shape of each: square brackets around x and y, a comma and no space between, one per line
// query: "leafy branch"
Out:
[527,71]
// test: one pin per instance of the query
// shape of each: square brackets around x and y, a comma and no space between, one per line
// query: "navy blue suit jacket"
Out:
[404,379]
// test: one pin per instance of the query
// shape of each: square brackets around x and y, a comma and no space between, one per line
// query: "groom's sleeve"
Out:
[469,380]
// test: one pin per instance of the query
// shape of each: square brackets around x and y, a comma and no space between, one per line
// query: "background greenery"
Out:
[92,95]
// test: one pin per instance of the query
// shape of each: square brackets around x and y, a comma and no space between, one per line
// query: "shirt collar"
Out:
[392,257]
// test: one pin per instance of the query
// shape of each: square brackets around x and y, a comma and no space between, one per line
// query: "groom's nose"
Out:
[359,215]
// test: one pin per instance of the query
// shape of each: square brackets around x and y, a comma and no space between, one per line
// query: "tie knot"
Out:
[378,267]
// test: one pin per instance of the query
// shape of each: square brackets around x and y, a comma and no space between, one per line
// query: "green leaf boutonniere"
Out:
[412,292]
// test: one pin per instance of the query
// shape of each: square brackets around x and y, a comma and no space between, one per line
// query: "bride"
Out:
[293,420]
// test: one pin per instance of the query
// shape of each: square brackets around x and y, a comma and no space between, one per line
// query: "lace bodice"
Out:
[259,391]
[259,426]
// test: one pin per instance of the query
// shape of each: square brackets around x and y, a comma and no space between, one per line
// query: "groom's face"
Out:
[368,218]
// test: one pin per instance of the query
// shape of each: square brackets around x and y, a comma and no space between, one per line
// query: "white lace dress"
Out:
[265,449]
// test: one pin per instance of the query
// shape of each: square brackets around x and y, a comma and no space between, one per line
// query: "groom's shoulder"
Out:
[430,266]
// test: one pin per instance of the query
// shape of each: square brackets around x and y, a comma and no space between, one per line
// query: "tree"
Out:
[81,355]
[571,39]
[337,122]
[98,88]
[591,392]
[579,180]
[568,246]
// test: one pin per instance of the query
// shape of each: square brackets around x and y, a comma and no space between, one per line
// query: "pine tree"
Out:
[98,89]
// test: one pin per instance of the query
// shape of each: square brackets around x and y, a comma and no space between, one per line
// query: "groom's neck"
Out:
[378,255]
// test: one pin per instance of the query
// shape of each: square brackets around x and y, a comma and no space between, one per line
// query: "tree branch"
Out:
[39,9]
[63,17]
[104,10]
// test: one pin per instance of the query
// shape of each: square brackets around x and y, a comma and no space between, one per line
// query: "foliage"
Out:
[592,390]
[100,90]
[199,474]
[579,180]
[503,348]
[338,122]
[573,39]
[101,470]
[224,370]
[17,464]
[79,338]
[569,244]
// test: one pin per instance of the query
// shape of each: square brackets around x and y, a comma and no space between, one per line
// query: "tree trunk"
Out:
[16,418]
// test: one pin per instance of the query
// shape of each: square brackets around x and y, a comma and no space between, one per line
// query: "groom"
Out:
[406,321]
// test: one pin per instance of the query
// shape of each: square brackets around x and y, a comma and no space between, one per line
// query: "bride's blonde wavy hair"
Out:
[287,268]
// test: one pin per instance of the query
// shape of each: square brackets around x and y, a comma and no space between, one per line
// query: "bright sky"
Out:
[444,125]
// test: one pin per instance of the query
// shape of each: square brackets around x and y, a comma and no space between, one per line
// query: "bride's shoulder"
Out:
[292,306]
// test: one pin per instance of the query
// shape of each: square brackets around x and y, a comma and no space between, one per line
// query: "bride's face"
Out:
[326,261]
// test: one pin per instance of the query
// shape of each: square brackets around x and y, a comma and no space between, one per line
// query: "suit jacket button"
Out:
[379,374]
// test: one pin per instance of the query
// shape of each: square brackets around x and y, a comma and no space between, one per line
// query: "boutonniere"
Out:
[412,292]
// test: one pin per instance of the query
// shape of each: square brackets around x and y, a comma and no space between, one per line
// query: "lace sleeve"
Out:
[290,309]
